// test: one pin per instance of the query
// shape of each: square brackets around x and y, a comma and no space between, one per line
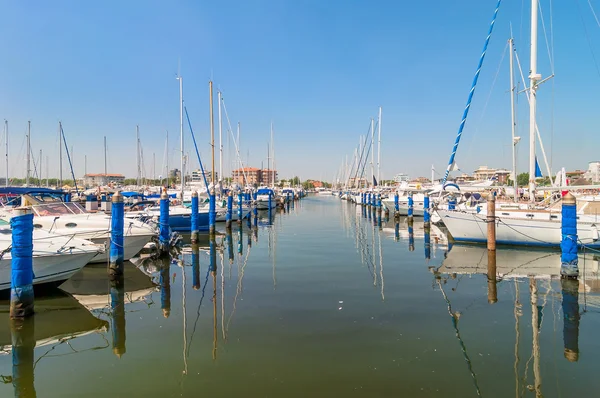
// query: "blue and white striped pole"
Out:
[195,221]
[212,210]
[21,265]
[426,215]
[568,245]
[163,221]
[229,215]
[117,228]
[470,97]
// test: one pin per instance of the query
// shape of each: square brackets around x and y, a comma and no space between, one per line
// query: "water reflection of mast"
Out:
[536,337]
[239,287]
[213,272]
[374,260]
[455,316]
[518,314]
[185,366]
[222,254]
[381,265]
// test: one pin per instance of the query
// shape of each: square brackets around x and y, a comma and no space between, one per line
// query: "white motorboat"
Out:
[55,257]
[264,197]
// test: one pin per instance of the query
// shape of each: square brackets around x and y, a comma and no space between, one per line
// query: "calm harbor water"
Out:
[324,302]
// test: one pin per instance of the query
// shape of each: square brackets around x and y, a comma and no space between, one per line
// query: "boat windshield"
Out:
[58,209]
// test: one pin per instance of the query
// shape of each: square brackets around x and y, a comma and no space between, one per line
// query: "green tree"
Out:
[523,179]
[295,181]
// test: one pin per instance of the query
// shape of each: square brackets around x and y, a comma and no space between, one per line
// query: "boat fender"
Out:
[594,233]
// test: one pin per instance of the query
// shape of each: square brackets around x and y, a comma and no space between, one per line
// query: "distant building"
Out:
[575,175]
[247,175]
[268,176]
[103,179]
[357,182]
[422,180]
[484,173]
[502,176]
[401,177]
[197,176]
[593,172]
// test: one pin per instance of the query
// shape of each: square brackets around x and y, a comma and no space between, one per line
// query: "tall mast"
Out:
[137,154]
[40,176]
[85,164]
[220,138]
[105,166]
[47,168]
[372,149]
[534,78]
[182,172]
[272,172]
[60,154]
[212,131]
[268,163]
[154,166]
[379,147]
[28,153]
[432,175]
[6,136]
[515,139]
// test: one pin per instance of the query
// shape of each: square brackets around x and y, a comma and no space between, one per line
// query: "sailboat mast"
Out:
[212,131]
[379,147]
[105,166]
[137,154]
[182,172]
[534,77]
[272,172]
[40,176]
[28,153]
[220,138]
[513,119]
[268,163]
[372,149]
[6,136]
[60,154]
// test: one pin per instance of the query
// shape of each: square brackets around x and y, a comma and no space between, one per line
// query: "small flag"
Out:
[538,171]
[374,181]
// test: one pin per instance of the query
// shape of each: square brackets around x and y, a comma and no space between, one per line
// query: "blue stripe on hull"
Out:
[520,243]
[181,223]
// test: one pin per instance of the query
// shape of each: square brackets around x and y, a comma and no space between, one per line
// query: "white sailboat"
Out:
[531,225]
[55,257]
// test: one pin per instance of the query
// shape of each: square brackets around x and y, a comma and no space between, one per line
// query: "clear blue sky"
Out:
[318,69]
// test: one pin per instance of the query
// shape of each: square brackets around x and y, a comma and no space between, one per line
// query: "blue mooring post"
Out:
[195,227]
[410,205]
[396,204]
[68,197]
[229,214]
[427,230]
[570,307]
[452,203]
[426,215]
[23,344]
[164,223]
[270,200]
[212,211]
[117,306]
[240,204]
[165,286]
[21,279]
[568,245]
[117,247]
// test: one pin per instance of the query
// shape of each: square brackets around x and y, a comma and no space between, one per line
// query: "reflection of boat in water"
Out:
[91,288]
[513,263]
[57,318]
[436,234]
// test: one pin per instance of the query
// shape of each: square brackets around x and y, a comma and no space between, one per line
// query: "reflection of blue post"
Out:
[212,211]
[23,344]
[229,215]
[240,243]
[426,215]
[229,246]
[117,306]
[379,219]
[165,287]
[411,235]
[213,255]
[255,211]
[570,307]
[270,200]
[379,201]
[397,231]
[427,242]
[195,267]
[117,248]
[410,205]
[164,223]
[195,228]
[568,245]
[240,204]
[21,265]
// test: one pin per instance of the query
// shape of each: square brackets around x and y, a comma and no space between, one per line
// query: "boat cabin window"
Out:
[57,209]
